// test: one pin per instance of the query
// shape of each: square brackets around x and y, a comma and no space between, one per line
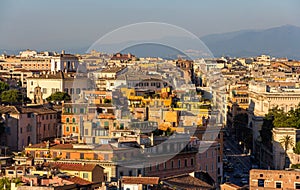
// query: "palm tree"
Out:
[285,142]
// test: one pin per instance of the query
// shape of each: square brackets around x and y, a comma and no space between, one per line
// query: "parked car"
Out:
[244,181]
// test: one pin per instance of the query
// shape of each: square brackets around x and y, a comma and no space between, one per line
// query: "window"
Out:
[261,175]
[86,131]
[179,163]
[121,174]
[95,156]
[73,120]
[68,155]
[81,110]
[51,116]
[192,161]
[21,130]
[77,90]
[44,90]
[278,184]
[172,164]
[74,129]
[67,128]
[85,175]
[260,182]
[297,185]
[130,173]
[106,156]
[67,120]
[185,163]
[81,155]
[71,90]
[11,172]
[165,165]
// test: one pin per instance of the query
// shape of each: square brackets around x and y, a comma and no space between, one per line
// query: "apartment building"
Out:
[51,82]
[274,179]
[28,125]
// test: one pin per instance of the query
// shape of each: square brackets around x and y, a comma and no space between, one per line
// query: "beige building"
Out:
[274,179]
[263,97]
[278,150]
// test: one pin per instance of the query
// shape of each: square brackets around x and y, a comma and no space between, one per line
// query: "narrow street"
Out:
[239,162]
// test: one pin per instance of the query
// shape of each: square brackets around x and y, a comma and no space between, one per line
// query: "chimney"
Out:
[63,52]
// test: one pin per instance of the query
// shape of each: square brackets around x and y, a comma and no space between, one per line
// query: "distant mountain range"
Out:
[283,41]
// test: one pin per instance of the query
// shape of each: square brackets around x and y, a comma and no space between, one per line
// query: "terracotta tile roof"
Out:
[71,166]
[106,147]
[56,75]
[29,109]
[37,109]
[52,146]
[231,185]
[9,109]
[78,180]
[185,181]
[140,180]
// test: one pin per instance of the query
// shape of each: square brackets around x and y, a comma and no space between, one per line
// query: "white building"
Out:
[56,82]
[64,62]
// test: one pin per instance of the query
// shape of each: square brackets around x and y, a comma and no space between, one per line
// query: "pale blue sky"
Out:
[58,24]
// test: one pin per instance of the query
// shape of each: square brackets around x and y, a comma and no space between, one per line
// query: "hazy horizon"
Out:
[67,24]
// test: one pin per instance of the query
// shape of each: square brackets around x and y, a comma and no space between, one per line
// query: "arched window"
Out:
[73,120]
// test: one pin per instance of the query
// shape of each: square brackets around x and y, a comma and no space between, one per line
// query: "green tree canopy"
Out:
[11,96]
[3,86]
[59,96]
[297,148]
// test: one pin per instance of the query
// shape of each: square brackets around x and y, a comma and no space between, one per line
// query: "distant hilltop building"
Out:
[121,59]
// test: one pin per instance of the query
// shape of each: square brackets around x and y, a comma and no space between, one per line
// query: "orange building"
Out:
[72,114]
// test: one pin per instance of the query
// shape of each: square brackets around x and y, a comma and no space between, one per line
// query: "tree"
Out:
[4,183]
[273,119]
[297,148]
[285,142]
[11,96]
[59,96]
[3,86]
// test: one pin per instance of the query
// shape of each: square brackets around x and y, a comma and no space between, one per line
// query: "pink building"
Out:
[27,124]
